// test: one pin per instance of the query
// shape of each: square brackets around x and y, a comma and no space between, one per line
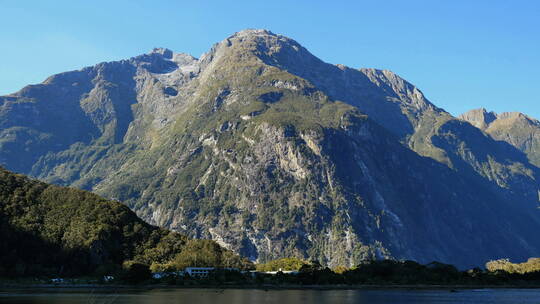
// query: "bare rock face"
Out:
[517,129]
[479,118]
[272,152]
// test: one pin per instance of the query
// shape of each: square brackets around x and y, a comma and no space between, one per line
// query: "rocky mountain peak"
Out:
[166,62]
[253,32]
[479,118]
[380,94]
[518,116]
[261,37]
[258,42]
[166,53]
[483,119]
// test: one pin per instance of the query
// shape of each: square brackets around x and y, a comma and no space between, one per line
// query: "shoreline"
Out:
[79,287]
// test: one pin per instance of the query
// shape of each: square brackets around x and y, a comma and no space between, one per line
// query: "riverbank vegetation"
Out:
[284,264]
[392,272]
[309,274]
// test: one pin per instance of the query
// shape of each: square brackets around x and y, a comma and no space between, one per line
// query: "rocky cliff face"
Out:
[266,149]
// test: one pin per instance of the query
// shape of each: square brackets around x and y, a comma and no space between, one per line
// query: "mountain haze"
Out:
[272,152]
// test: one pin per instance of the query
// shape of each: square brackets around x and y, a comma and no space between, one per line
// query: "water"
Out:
[241,296]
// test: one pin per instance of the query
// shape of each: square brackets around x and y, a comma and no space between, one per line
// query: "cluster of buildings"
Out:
[196,272]
[193,272]
[204,272]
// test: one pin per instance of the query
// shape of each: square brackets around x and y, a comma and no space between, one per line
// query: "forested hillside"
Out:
[52,230]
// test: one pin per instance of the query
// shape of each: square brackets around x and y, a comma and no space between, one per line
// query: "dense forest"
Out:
[369,274]
[284,264]
[373,273]
[57,231]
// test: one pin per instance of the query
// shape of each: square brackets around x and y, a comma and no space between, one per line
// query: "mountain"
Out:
[517,129]
[51,230]
[272,152]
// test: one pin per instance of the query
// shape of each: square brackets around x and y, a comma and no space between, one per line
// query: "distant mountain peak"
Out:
[260,39]
[483,119]
[163,51]
[479,118]
[254,32]
[517,115]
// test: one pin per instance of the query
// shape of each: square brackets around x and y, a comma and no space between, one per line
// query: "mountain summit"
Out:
[272,152]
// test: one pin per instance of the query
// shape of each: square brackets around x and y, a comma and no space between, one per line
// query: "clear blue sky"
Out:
[461,54]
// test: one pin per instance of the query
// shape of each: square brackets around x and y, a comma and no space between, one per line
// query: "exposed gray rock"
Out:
[479,118]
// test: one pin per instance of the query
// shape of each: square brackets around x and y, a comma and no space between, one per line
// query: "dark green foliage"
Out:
[220,276]
[135,273]
[282,264]
[404,272]
[392,272]
[51,230]
[206,253]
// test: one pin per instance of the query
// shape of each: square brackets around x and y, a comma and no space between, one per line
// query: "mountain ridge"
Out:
[263,147]
[515,128]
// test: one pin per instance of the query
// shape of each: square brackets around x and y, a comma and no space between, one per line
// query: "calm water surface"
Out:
[241,296]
